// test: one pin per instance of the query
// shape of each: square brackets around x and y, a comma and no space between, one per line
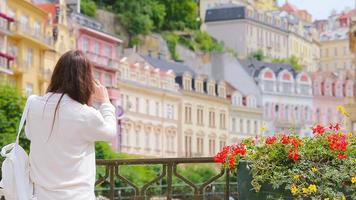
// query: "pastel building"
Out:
[151,102]
[5,58]
[256,30]
[204,110]
[330,90]
[31,44]
[287,97]
[101,48]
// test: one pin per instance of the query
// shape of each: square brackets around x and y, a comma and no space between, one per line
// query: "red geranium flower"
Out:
[341,156]
[285,139]
[335,127]
[271,140]
[293,154]
[222,155]
[318,129]
[295,142]
[338,142]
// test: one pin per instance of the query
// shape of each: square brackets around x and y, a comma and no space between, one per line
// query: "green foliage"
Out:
[206,43]
[258,55]
[11,107]
[293,61]
[181,14]
[172,41]
[88,7]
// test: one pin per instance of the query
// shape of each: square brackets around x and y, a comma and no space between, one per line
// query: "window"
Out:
[24,23]
[318,116]
[187,84]
[199,86]
[211,147]
[147,140]
[127,139]
[96,47]
[248,123]
[147,106]
[36,28]
[108,80]
[170,112]
[157,144]
[188,114]
[137,136]
[222,144]
[287,87]
[29,58]
[222,121]
[237,100]
[97,75]
[241,125]
[329,115]
[304,89]
[157,109]
[233,125]
[255,127]
[137,104]
[200,145]
[200,116]
[29,89]
[188,146]
[268,85]
[211,89]
[108,51]
[85,44]
[212,119]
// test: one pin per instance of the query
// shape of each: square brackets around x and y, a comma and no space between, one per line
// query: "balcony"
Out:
[4,25]
[45,75]
[23,31]
[5,63]
[21,66]
[103,61]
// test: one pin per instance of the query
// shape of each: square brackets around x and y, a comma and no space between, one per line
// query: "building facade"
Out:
[292,9]
[151,101]
[256,30]
[5,58]
[29,43]
[245,116]
[331,90]
[204,110]
[101,48]
[286,96]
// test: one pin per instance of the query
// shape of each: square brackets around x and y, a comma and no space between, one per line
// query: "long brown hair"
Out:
[72,76]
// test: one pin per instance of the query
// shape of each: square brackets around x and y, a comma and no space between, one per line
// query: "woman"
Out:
[62,127]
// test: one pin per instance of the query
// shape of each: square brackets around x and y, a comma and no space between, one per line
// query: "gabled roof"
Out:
[177,67]
[254,67]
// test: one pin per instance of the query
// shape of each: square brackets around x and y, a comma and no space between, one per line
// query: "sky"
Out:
[321,9]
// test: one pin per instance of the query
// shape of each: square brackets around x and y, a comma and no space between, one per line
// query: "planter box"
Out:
[246,191]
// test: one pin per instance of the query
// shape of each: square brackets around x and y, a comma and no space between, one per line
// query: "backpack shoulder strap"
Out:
[24,116]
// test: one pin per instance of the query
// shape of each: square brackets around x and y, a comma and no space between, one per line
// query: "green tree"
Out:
[88,7]
[293,61]
[258,55]
[181,14]
[11,107]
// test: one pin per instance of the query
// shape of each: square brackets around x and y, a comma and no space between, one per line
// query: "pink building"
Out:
[330,90]
[101,48]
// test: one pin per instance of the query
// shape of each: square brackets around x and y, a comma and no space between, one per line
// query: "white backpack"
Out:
[16,183]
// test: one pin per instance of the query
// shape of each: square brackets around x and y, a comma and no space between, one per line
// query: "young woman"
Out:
[62,127]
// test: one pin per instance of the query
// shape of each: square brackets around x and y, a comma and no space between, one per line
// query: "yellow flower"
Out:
[296,177]
[343,198]
[294,189]
[353,179]
[312,188]
[314,169]
[305,190]
[263,129]
[350,134]
[326,199]
[342,110]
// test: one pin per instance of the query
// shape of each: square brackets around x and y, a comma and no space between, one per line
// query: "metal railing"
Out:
[103,60]
[217,187]
[37,34]
[169,171]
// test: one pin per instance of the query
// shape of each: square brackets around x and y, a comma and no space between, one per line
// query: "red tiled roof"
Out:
[49,8]
[348,14]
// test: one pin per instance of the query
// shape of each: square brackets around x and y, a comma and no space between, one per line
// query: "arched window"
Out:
[286,80]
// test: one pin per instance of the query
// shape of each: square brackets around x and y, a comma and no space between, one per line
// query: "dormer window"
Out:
[268,81]
[237,99]
[251,102]
[304,85]
[211,88]
[222,91]
[187,83]
[199,85]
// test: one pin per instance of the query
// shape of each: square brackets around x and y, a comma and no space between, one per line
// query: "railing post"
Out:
[112,182]
[169,180]
[227,181]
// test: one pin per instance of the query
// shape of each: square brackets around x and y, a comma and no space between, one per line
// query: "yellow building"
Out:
[30,43]
[335,53]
